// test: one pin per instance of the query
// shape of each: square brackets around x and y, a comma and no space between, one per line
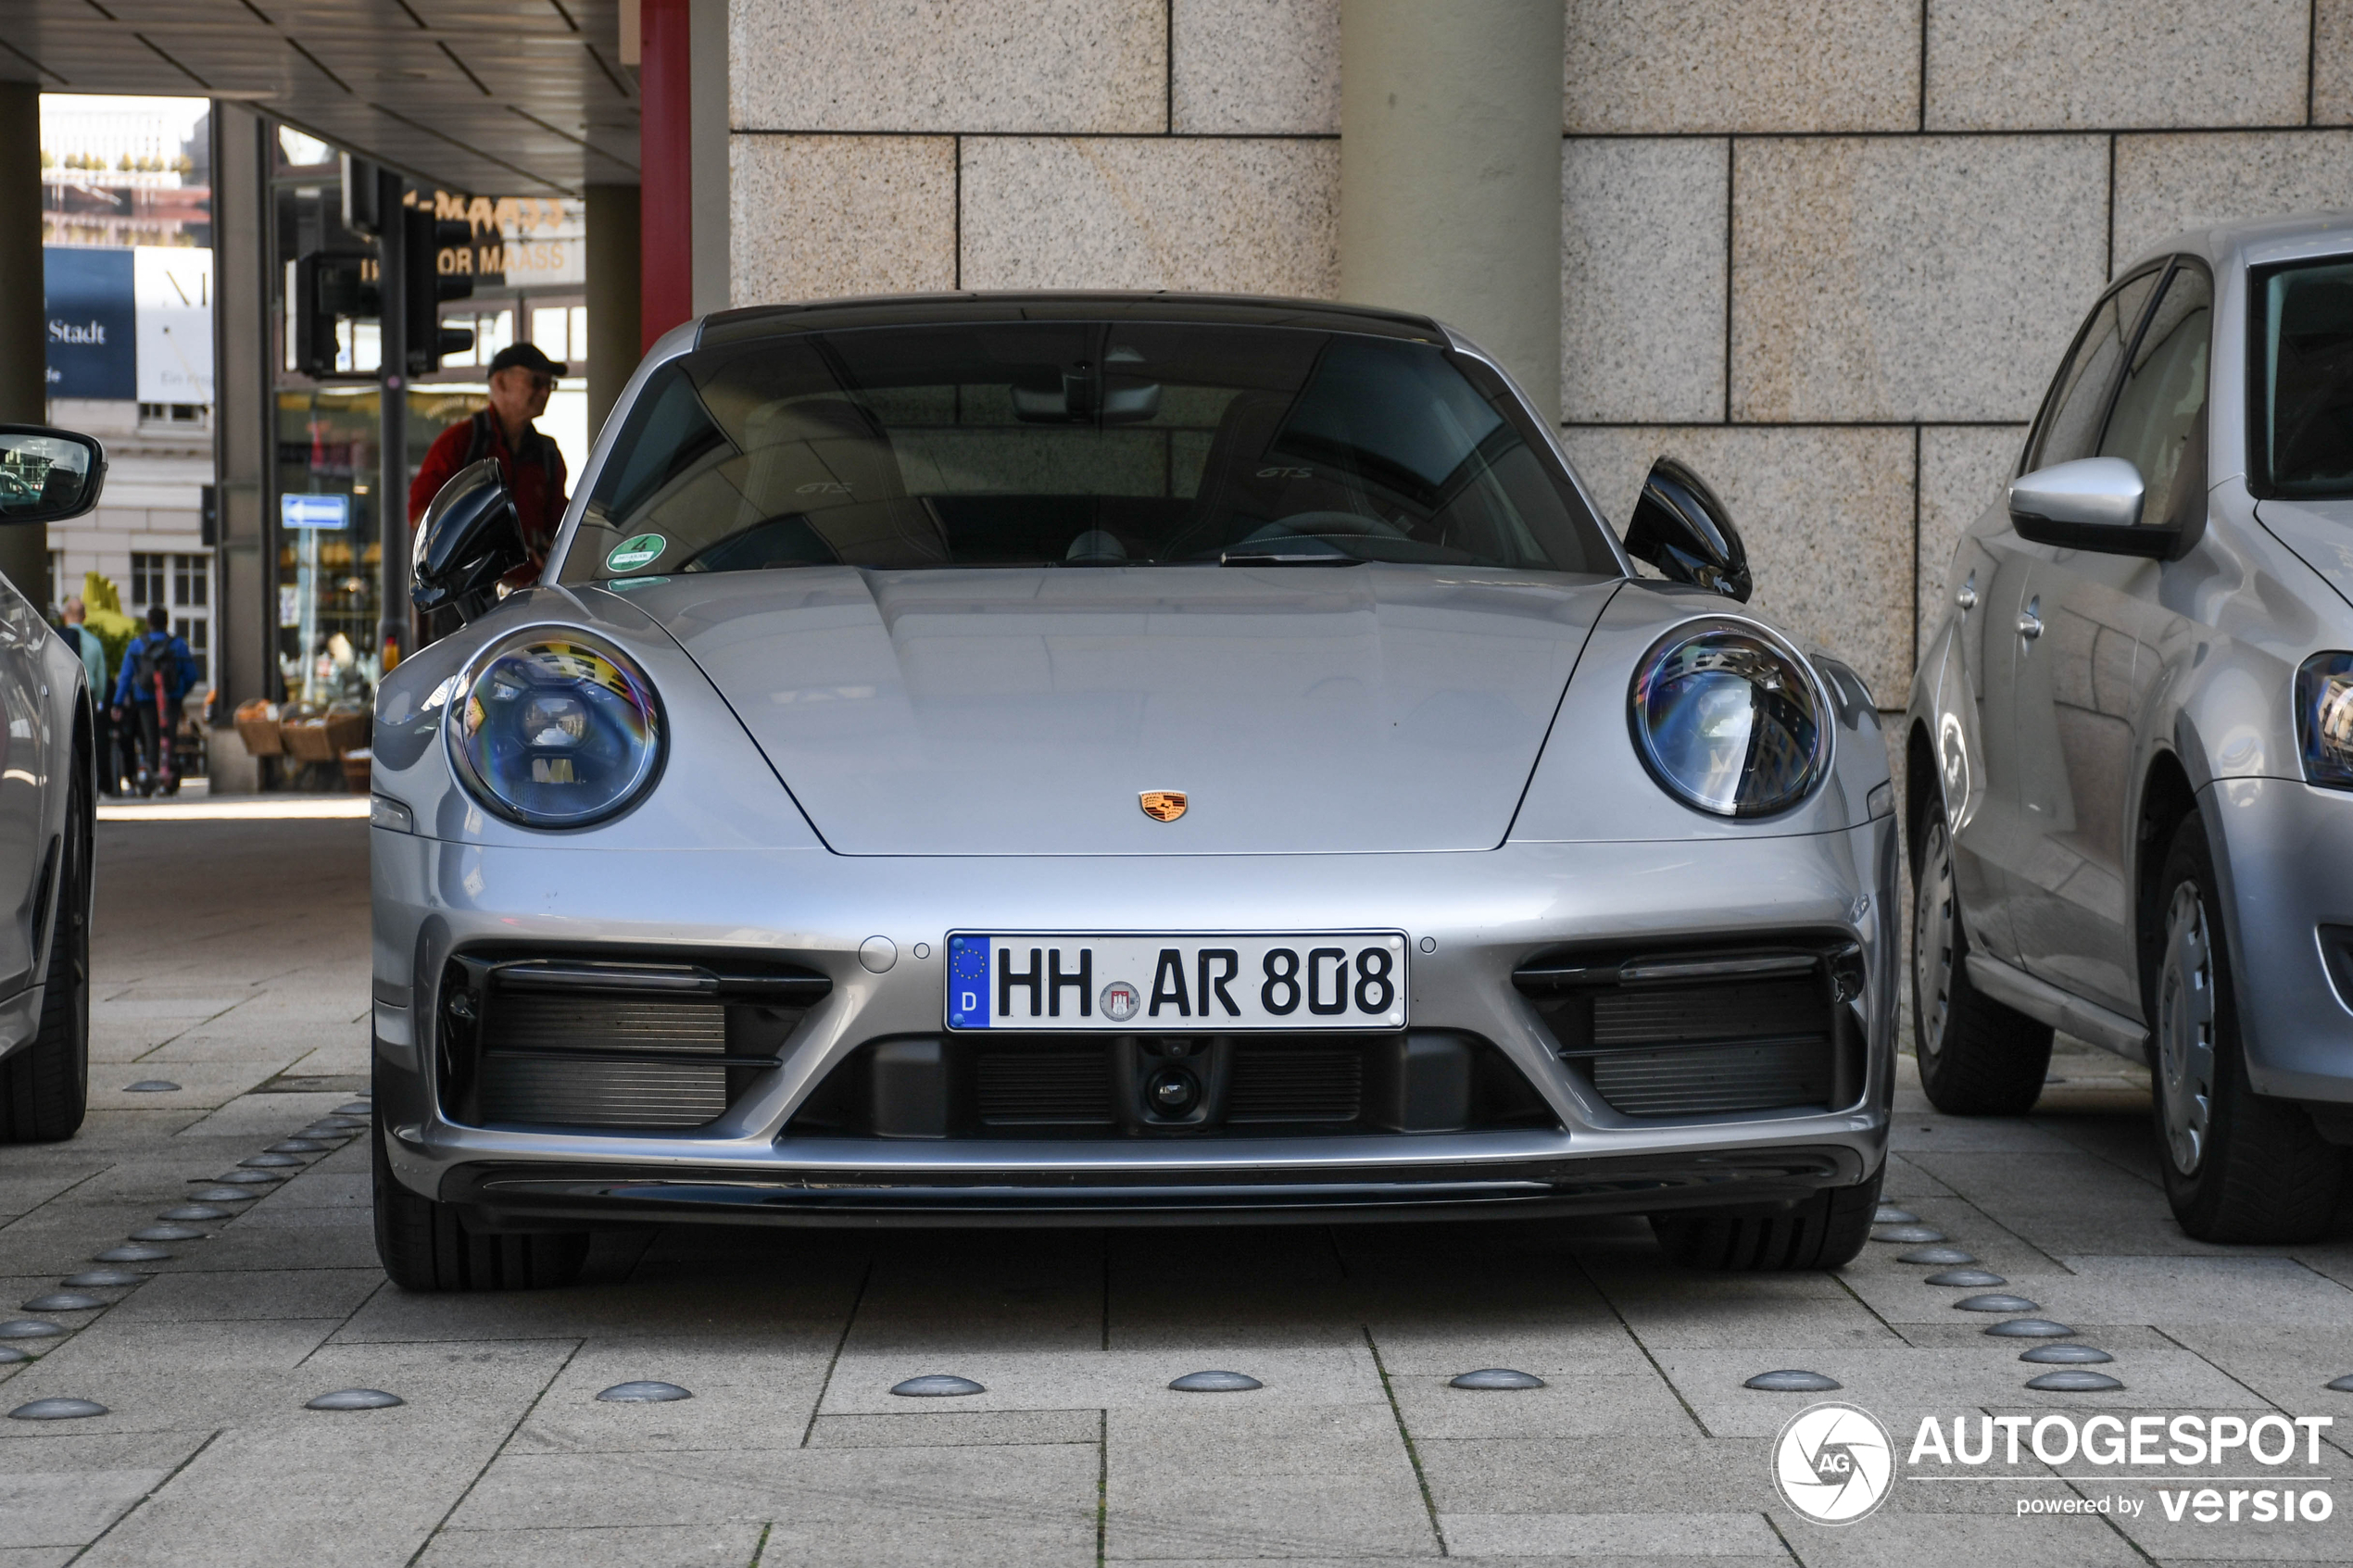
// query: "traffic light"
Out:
[330,286]
[429,240]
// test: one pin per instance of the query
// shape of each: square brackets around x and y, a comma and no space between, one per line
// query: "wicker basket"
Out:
[324,739]
[257,727]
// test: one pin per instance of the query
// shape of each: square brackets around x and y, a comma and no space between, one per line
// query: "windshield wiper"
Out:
[1263,556]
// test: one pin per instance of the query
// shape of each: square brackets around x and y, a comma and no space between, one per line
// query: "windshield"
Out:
[2303,395]
[1077,444]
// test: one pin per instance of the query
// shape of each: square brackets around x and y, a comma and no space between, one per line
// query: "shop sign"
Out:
[515,242]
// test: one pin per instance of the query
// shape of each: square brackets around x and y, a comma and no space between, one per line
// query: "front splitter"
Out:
[1767,1179]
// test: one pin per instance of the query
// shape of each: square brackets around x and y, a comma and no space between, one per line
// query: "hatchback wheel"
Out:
[44,1088]
[1977,1057]
[2238,1166]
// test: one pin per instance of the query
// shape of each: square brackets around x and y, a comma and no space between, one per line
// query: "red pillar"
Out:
[666,170]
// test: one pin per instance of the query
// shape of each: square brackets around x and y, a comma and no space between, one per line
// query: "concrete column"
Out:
[245,619]
[615,346]
[393,261]
[1450,171]
[24,367]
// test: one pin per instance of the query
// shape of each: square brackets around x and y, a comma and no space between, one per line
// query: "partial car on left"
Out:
[48,780]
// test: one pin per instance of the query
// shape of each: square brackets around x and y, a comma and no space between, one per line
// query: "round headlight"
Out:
[556,729]
[1730,720]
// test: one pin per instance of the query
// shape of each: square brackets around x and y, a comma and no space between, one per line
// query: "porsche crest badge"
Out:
[1164,805]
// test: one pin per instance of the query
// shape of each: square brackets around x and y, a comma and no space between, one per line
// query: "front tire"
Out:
[44,1088]
[1824,1231]
[2238,1166]
[426,1245]
[1977,1057]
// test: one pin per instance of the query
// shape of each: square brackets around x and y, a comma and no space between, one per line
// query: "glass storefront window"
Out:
[330,579]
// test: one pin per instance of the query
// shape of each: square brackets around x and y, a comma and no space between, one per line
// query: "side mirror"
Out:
[1681,528]
[470,538]
[48,475]
[2090,504]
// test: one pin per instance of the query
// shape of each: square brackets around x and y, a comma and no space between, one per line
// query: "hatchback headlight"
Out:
[1730,720]
[556,729]
[2324,719]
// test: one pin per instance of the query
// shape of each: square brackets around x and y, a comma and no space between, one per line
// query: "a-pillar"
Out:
[24,374]
[1450,171]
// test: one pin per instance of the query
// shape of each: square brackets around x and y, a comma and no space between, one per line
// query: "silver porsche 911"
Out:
[1125,757]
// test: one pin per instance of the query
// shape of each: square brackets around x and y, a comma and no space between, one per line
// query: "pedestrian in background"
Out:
[94,660]
[158,670]
[521,379]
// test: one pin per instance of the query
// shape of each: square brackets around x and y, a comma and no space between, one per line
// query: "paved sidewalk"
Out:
[232,962]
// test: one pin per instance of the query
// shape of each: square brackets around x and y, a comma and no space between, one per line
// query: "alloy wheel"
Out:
[1932,921]
[2185,1029]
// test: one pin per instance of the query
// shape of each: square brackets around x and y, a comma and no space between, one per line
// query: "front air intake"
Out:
[1706,1031]
[636,1047]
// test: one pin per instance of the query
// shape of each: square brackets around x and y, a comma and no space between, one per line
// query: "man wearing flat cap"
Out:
[520,378]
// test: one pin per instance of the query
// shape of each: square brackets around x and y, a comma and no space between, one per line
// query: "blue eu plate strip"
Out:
[968,982]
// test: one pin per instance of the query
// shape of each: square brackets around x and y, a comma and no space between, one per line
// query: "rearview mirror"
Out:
[2090,504]
[48,475]
[470,537]
[1681,528]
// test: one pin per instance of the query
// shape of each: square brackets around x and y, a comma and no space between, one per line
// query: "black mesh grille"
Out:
[1696,1080]
[520,1082]
[1708,1013]
[617,1040]
[1044,1088]
[1296,1085]
[1697,1030]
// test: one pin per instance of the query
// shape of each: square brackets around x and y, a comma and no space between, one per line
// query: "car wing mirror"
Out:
[1681,528]
[2090,504]
[470,538]
[48,475]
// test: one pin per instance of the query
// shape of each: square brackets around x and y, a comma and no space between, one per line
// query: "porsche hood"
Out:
[1030,712]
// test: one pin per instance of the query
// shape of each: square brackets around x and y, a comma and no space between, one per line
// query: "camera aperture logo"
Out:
[1834,1464]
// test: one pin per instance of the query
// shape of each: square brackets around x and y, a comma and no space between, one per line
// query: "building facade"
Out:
[1829,251]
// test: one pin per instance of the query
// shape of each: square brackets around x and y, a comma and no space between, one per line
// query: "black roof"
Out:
[1223,309]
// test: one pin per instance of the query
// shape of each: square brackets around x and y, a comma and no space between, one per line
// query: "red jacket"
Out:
[534,471]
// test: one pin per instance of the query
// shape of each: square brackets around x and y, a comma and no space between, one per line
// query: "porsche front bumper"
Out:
[1470,919]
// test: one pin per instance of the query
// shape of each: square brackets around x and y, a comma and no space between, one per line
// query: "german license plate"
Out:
[1225,983]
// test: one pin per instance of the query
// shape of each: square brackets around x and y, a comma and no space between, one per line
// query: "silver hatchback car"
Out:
[2130,739]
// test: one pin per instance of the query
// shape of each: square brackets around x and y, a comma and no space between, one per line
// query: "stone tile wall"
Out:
[1827,250]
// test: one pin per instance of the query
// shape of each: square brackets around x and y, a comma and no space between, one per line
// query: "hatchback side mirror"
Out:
[2090,504]
[1681,528]
[470,538]
[48,475]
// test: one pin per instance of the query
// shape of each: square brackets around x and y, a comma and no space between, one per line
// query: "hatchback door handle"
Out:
[2029,620]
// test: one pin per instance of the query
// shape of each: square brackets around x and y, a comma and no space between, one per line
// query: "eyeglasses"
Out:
[541,381]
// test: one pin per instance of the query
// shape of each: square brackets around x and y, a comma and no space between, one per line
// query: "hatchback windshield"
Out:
[2304,414]
[1077,444]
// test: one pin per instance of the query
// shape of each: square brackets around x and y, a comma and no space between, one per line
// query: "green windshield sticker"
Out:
[630,554]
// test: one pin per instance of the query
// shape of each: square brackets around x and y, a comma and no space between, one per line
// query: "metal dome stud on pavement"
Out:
[936,1386]
[646,1392]
[1215,1383]
[1792,1381]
